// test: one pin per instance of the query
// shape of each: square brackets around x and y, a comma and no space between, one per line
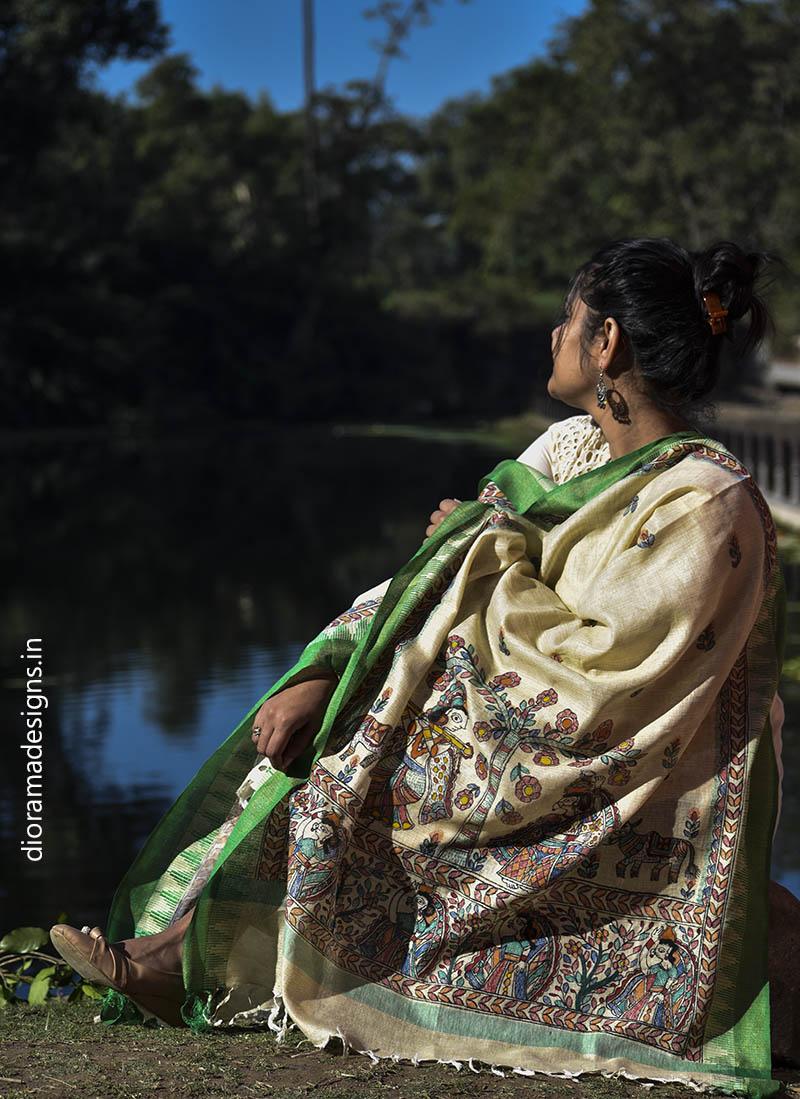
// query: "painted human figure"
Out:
[385,939]
[517,968]
[658,994]
[314,857]
[429,934]
[555,843]
[427,772]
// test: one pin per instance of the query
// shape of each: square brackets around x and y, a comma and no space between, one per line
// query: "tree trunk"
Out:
[309,82]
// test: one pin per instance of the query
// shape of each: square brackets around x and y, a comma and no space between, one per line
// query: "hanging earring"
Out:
[602,391]
[619,407]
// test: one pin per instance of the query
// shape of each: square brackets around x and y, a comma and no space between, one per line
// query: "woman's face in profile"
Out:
[568,382]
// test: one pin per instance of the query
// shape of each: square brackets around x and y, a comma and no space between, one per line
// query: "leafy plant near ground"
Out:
[27,972]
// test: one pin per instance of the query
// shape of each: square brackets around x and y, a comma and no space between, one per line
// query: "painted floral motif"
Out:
[527,787]
[507,813]
[505,679]
[724,458]
[646,539]
[502,642]
[691,830]
[546,757]
[706,640]
[566,722]
[632,506]
[692,826]
[382,702]
[481,766]
[505,717]
[347,772]
[464,798]
[602,732]
[671,754]
[620,757]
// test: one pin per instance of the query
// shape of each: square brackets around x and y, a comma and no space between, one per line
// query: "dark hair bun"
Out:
[654,289]
[727,270]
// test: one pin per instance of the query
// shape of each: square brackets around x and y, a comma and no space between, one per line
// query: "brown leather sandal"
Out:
[89,952]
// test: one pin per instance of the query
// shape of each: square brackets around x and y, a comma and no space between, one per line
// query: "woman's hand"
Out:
[445,507]
[287,723]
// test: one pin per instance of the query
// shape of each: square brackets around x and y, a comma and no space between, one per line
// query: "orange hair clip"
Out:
[717,316]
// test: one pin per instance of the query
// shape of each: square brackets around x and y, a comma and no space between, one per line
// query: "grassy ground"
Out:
[56,1050]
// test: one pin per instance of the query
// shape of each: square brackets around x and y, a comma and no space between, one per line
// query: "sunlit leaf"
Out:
[40,986]
[23,939]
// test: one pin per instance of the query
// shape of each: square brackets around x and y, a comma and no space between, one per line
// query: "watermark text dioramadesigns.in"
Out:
[33,747]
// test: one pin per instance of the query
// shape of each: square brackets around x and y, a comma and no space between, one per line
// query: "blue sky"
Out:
[256,45]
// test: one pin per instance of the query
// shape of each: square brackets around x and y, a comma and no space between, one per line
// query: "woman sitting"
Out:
[517,804]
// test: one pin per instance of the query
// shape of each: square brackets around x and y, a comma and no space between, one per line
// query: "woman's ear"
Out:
[611,342]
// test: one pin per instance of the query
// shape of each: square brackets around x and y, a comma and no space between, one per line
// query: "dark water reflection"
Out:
[172,584]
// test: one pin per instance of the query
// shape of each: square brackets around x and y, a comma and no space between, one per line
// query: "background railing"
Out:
[772,454]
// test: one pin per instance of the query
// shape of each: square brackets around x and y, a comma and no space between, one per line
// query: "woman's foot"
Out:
[163,950]
[157,991]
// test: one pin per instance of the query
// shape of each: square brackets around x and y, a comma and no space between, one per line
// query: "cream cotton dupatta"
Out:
[534,829]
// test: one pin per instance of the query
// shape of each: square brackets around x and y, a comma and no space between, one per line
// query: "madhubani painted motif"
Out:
[533,920]
[425,855]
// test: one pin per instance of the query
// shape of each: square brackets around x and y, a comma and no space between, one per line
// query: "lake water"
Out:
[172,583]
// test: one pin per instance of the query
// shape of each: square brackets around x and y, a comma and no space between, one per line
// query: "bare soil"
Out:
[56,1050]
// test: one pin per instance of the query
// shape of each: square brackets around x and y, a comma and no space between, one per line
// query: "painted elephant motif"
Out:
[659,852]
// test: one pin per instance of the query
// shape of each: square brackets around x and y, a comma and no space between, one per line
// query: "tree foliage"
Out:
[162,263]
